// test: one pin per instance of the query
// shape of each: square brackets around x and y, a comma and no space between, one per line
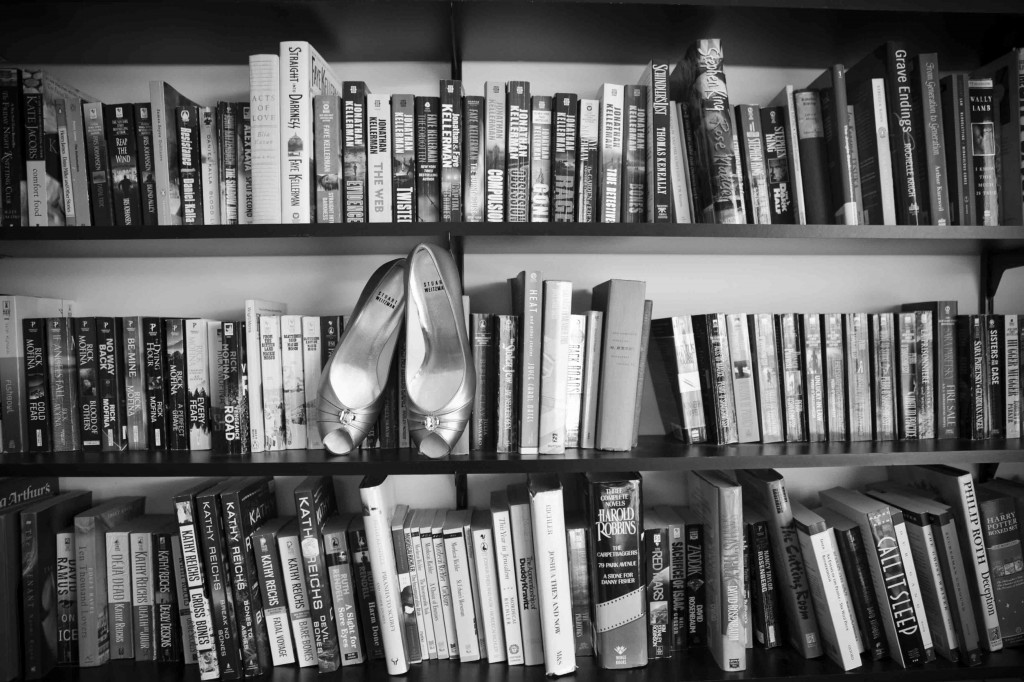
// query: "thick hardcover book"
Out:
[507,567]
[328,157]
[100,190]
[777,145]
[136,418]
[210,166]
[272,591]
[474,169]
[641,373]
[675,378]
[829,590]
[378,505]
[925,95]
[587,161]
[614,508]
[540,159]
[622,302]
[456,553]
[198,383]
[526,302]
[610,167]
[190,186]
[40,523]
[314,502]
[167,626]
[563,157]
[1002,149]
[574,387]
[579,582]
[657,558]
[67,598]
[228,115]
[814,378]
[264,102]
[908,375]
[247,504]
[1003,545]
[633,201]
[485,353]
[858,376]
[874,172]
[883,374]
[428,161]
[764,356]
[517,152]
[153,339]
[272,381]
[405,565]
[657,134]
[744,388]
[378,158]
[554,366]
[507,349]
[752,155]
[956,126]
[366,595]
[813,157]
[12,159]
[995,371]
[766,493]
[526,573]
[591,378]
[790,347]
[495,132]
[123,156]
[339,571]
[764,589]
[971,372]
[450,140]
[353,103]
[484,554]
[839,139]
[294,583]
[304,74]
[243,142]
[403,157]
[943,396]
[711,341]
[63,380]
[88,381]
[292,382]
[222,597]
[110,362]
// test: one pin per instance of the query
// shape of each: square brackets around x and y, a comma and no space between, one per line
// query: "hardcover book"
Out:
[554,366]
[711,342]
[752,155]
[450,107]
[328,157]
[517,178]
[925,95]
[461,586]
[657,133]
[403,158]
[622,302]
[521,517]
[508,589]
[265,111]
[495,131]
[353,102]
[405,565]
[839,134]
[474,169]
[633,203]
[123,156]
[428,184]
[540,159]
[610,167]
[378,158]
[563,162]
[587,161]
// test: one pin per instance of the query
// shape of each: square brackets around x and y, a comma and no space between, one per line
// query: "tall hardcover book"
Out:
[588,161]
[521,518]
[563,157]
[711,342]
[379,135]
[63,380]
[403,158]
[610,166]
[554,366]
[998,519]
[353,102]
[657,142]
[614,508]
[495,133]
[813,157]
[327,136]
[633,203]
[839,135]
[110,360]
[870,125]
[450,109]
[136,417]
[540,159]
[405,565]
[88,382]
[622,302]
[485,352]
[675,378]
[517,152]
[1003,123]
[956,119]
[474,169]
[428,183]
[526,302]
[924,77]
[123,156]
[883,374]
[272,592]
[779,182]
[265,111]
[752,155]
[304,74]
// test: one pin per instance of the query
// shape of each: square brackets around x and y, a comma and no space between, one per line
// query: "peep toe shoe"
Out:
[351,391]
[439,371]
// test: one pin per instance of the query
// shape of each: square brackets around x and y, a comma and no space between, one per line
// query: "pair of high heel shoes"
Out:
[439,376]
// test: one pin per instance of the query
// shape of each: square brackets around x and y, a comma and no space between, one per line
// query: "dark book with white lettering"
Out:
[88,382]
[517,152]
[540,159]
[657,559]
[123,155]
[634,154]
[176,389]
[63,380]
[272,591]
[366,596]
[765,357]
[339,571]
[167,624]
[675,378]
[495,130]
[1001,529]
[587,161]
[37,387]
[314,502]
[353,119]
[711,341]
[189,176]
[328,158]
[110,362]
[155,396]
[450,138]
[474,169]
[403,157]
[428,160]
[222,597]
[563,157]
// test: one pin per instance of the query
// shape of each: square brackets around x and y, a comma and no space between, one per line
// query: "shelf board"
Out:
[655,453]
[781,665]
[703,238]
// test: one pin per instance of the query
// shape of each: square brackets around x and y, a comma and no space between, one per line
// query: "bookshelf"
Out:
[209,271]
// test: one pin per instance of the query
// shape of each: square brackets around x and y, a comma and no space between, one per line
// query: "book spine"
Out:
[657,143]
[956,117]
[814,379]
[507,422]
[273,382]
[353,102]
[830,597]
[530,363]
[123,155]
[924,555]
[292,383]
[858,376]
[483,426]
[883,370]
[840,134]
[911,202]
[884,151]
[574,387]
[166,628]
[143,599]
[789,340]
[610,153]
[696,635]
[743,382]
[321,609]
[243,580]
[540,159]
[378,158]
[926,375]
[591,378]
[995,366]
[96,155]
[579,584]
[404,157]
[955,577]
[312,367]
[622,302]
[587,160]
[67,187]
[998,519]
[456,558]
[243,142]
[1011,377]
[444,592]
[63,386]
[405,565]
[189,176]
[563,169]
[633,203]
[222,606]
[813,157]
[526,581]
[119,596]
[298,600]
[366,594]
[835,377]
[508,586]
[155,396]
[37,387]
[109,357]
[189,635]
[428,183]
[712,348]
[264,103]
[346,612]
[67,599]
[136,418]
[944,323]
[495,132]
[489,593]
[554,366]
[914,584]
[853,554]
[450,102]
[765,356]
[641,375]
[12,161]
[473,153]
[679,170]
[33,118]
[764,597]
[658,563]
[753,155]
[228,115]
[232,369]
[275,607]
[926,97]
[548,515]
[211,164]
[88,382]
[326,134]
[421,590]
[970,376]
[517,150]
[430,590]
[197,384]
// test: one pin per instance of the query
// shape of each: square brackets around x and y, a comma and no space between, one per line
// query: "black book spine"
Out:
[776,160]
[696,593]
[995,378]
[813,157]
[99,171]
[238,582]
[956,120]
[658,577]
[634,154]
[113,407]
[987,199]
[353,104]
[905,139]
[37,387]
[677,608]
[587,152]
[450,103]
[428,185]
[482,434]
[234,363]
[313,503]
[12,160]
[862,591]
[63,366]
[330,334]
[929,132]
[908,374]
[403,157]
[156,397]
[540,159]
[716,390]
[227,131]
[926,374]
[387,422]
[474,174]
[659,119]
[168,624]
[764,596]
[517,186]
[751,144]
[177,392]
[366,596]
[88,383]
[122,153]
[147,168]
[189,176]
[897,598]
[222,601]
[564,158]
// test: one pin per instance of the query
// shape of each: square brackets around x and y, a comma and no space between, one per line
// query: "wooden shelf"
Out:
[655,453]
[781,665]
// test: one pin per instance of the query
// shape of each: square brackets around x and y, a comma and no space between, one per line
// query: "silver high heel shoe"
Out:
[439,371]
[351,391]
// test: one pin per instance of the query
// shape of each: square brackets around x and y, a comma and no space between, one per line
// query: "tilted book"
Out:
[294,583]
[327,124]
[339,571]
[272,591]
[744,386]
[508,588]
[272,382]
[404,565]
[489,593]
[314,502]
[622,302]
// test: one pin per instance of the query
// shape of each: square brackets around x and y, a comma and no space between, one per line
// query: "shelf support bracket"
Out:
[461,491]
[993,265]
[453,32]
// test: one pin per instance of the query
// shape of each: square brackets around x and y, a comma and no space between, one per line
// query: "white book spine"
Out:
[434,594]
[526,577]
[304,74]
[210,163]
[142,595]
[831,598]
[489,594]
[1012,381]
[677,166]
[445,594]
[555,592]
[197,381]
[610,153]
[255,308]
[298,599]
[422,593]
[311,369]
[508,586]
[744,390]
[292,383]
[378,130]
[273,382]
[474,587]
[960,592]
[885,178]
[264,97]
[463,607]
[933,587]
[554,366]
[913,584]
[574,385]
[377,510]
[64,145]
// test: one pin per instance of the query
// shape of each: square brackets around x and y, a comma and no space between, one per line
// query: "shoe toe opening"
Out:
[339,442]
[434,446]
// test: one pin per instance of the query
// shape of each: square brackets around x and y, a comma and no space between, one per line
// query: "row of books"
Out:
[926,564]
[308,147]
[921,373]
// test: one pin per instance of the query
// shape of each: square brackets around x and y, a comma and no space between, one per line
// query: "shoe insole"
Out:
[443,365]
[368,340]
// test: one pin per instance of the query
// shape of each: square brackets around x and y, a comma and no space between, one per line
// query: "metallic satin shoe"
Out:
[351,391]
[439,371]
